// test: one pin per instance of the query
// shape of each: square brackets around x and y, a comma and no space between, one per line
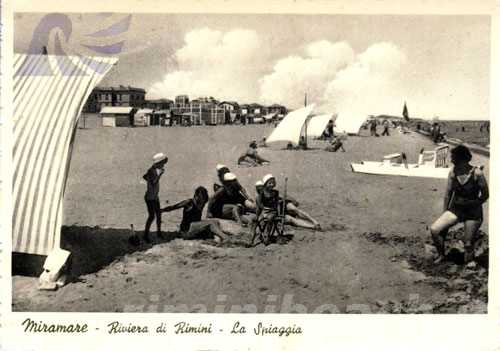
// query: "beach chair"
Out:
[272,225]
[436,158]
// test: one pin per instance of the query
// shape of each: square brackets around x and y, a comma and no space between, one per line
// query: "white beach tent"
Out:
[290,128]
[317,124]
[349,123]
[49,94]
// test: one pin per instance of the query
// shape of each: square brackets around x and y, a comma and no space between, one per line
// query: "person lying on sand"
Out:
[268,201]
[292,207]
[262,143]
[335,145]
[466,192]
[192,226]
[302,145]
[251,156]
[229,202]
[151,197]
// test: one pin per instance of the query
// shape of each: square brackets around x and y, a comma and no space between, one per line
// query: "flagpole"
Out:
[306,123]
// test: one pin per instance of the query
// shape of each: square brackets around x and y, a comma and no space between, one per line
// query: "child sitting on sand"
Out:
[268,199]
[292,208]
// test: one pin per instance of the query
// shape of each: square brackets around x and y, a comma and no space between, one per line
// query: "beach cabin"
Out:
[143,118]
[278,110]
[117,116]
[213,116]
[163,117]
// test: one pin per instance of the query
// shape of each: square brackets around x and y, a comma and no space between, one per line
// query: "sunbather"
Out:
[251,156]
[335,145]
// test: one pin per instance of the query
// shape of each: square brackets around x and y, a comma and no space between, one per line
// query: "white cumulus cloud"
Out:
[294,75]
[369,85]
[213,63]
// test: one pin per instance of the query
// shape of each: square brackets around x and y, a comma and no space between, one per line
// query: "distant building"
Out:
[257,110]
[181,101]
[117,116]
[231,106]
[244,109]
[203,110]
[159,104]
[91,105]
[231,111]
[125,96]
[278,109]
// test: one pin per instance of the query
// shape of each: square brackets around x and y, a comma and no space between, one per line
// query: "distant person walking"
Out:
[466,192]
[436,133]
[385,124]
[373,128]
[152,177]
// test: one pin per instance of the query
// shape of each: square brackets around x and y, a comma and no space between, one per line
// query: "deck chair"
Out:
[269,227]
[435,158]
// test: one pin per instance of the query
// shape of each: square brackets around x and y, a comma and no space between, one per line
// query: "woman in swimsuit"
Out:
[466,192]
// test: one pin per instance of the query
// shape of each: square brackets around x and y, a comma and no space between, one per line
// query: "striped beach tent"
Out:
[49,94]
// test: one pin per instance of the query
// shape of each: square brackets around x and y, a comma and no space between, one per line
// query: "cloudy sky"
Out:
[353,64]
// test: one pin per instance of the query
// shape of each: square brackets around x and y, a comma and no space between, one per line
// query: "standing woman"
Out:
[152,177]
[466,192]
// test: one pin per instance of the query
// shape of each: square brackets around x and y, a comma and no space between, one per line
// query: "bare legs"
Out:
[302,215]
[154,212]
[440,227]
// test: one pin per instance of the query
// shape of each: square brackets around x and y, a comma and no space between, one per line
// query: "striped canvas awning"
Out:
[49,94]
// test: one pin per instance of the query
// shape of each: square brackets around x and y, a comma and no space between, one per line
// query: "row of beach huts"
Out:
[127,107]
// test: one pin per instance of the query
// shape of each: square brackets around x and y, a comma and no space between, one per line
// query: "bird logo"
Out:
[74,62]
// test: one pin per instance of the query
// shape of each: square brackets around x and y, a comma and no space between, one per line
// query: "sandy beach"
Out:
[370,257]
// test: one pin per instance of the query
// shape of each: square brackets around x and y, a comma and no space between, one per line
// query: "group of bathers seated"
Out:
[231,202]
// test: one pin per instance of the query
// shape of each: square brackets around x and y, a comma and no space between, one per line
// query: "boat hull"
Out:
[413,170]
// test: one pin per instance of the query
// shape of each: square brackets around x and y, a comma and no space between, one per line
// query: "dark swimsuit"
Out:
[470,190]
[270,202]
[190,214]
